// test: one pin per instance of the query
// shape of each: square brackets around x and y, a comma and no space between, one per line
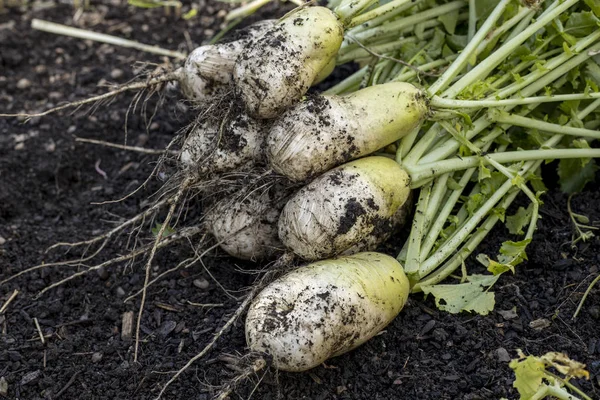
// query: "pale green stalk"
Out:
[467,53]
[479,125]
[405,76]
[413,256]
[553,63]
[484,68]
[450,266]
[451,103]
[382,13]
[472,20]
[423,172]
[392,28]
[505,27]
[348,9]
[517,120]
[379,49]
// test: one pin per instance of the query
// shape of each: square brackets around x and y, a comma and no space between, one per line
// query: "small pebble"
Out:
[120,291]
[96,357]
[201,283]
[2,240]
[3,387]
[116,73]
[103,273]
[23,83]
[30,377]
[502,355]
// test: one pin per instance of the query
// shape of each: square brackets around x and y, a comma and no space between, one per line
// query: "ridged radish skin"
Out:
[325,309]
[277,69]
[325,131]
[348,209]
[246,227]
[217,146]
[208,69]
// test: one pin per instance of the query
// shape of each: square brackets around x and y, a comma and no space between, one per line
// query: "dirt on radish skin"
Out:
[348,209]
[217,146]
[325,309]
[208,70]
[325,131]
[276,70]
[246,225]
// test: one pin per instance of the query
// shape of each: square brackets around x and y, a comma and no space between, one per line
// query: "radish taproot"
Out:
[276,70]
[325,131]
[325,309]
[348,209]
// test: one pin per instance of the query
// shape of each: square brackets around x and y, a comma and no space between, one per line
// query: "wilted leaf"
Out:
[470,296]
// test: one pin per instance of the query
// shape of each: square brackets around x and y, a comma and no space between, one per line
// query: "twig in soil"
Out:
[124,147]
[59,29]
[384,57]
[202,305]
[175,201]
[39,330]
[585,295]
[10,299]
[170,76]
[67,385]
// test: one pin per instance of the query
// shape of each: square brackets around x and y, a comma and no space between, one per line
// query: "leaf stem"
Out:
[437,101]
[517,120]
[470,50]
[423,172]
[486,66]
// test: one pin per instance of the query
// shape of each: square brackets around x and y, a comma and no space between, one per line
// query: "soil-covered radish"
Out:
[208,70]
[221,146]
[325,131]
[246,227]
[276,70]
[348,209]
[325,309]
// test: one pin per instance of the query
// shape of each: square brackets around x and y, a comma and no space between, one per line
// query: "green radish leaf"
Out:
[515,223]
[594,5]
[582,23]
[471,296]
[452,184]
[485,7]
[449,21]
[529,373]
[156,230]
[484,172]
[574,174]
[511,255]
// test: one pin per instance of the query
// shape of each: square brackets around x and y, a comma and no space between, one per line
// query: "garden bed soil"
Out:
[48,183]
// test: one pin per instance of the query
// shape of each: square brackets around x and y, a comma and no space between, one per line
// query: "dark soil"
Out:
[47,184]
